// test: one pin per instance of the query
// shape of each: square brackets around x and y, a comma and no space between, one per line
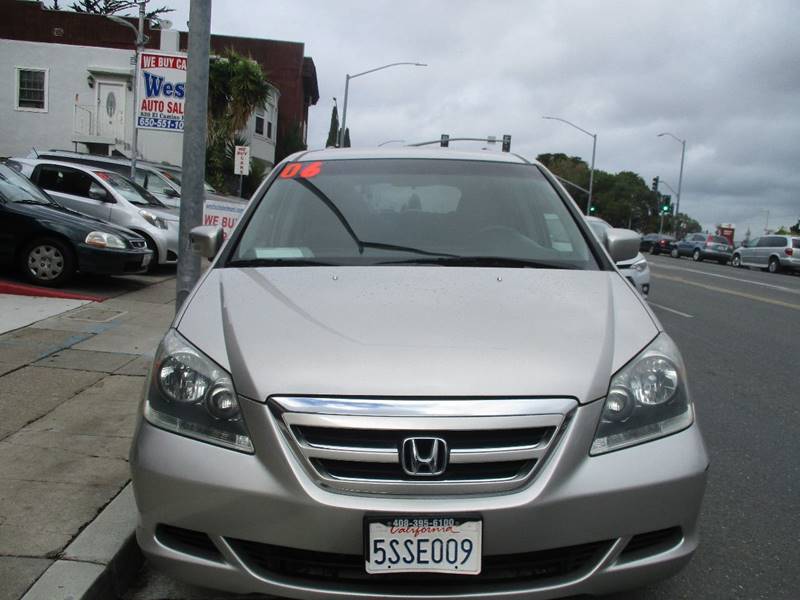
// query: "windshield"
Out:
[175,177]
[18,188]
[131,191]
[390,211]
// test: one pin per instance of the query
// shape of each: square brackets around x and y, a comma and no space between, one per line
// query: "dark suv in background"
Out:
[703,246]
[656,243]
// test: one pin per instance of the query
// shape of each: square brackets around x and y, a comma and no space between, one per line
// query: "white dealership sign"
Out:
[224,213]
[241,161]
[161,91]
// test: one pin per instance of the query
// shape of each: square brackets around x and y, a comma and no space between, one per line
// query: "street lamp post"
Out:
[390,142]
[594,151]
[347,79]
[680,175]
[141,40]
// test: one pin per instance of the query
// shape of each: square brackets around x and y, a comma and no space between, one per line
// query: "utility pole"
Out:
[194,145]
[140,41]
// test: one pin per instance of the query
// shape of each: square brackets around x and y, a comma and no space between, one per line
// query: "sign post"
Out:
[241,164]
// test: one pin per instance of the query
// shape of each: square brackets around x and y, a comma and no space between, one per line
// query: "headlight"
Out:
[152,219]
[639,265]
[101,239]
[190,394]
[647,399]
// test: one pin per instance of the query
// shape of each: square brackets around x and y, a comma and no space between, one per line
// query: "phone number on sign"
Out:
[160,123]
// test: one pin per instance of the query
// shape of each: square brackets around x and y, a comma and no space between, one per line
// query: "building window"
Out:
[31,88]
[259,123]
[269,129]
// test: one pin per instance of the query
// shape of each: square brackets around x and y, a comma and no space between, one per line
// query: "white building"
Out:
[74,97]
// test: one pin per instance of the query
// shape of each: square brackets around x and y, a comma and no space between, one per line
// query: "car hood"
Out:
[74,220]
[418,331]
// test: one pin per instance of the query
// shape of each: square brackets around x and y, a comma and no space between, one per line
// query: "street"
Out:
[738,330]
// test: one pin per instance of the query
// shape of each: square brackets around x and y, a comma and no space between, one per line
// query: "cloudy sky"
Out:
[722,74]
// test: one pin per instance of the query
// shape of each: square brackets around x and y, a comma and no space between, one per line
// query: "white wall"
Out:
[67,85]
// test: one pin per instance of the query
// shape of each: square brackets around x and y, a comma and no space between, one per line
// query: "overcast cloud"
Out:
[724,75]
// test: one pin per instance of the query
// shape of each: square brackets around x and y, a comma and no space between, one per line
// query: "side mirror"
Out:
[622,244]
[206,240]
[170,193]
[98,193]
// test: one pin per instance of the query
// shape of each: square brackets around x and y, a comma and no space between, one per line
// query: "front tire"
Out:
[696,255]
[48,262]
[774,265]
[736,261]
[674,253]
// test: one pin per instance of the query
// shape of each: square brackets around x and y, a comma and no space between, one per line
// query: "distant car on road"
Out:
[635,270]
[48,243]
[703,246]
[107,195]
[656,243]
[772,252]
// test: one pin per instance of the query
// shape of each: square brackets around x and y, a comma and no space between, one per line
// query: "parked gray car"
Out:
[109,196]
[772,252]
[394,383]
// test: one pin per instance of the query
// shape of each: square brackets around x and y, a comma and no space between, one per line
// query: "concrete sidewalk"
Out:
[69,392]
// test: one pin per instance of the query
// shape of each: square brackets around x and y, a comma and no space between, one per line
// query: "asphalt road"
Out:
[739,331]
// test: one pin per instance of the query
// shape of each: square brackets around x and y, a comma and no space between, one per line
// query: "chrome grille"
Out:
[355,445]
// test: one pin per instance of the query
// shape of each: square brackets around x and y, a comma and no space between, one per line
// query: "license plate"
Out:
[424,544]
[146,259]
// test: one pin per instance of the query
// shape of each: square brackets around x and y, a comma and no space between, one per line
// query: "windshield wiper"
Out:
[481,261]
[279,262]
[36,202]
[346,224]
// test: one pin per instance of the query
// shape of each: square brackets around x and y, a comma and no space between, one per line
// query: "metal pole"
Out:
[344,111]
[680,178]
[139,47]
[591,174]
[194,145]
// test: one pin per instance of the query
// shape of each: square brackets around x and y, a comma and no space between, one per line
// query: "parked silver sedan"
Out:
[394,383]
[109,196]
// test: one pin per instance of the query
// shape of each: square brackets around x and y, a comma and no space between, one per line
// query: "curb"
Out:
[101,562]
[21,289]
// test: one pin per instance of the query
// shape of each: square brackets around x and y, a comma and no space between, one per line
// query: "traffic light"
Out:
[506,143]
[593,209]
[655,183]
[666,207]
[445,140]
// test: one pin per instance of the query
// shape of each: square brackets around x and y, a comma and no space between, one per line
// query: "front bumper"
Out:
[112,261]
[269,498]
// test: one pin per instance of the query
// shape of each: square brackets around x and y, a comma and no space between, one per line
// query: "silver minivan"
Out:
[771,252]
[394,382]
[107,195]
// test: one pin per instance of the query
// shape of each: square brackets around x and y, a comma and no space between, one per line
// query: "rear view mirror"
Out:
[622,244]
[206,240]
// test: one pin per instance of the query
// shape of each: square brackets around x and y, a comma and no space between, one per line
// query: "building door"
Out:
[111,110]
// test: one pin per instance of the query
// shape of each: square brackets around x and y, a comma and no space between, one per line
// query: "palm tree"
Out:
[236,87]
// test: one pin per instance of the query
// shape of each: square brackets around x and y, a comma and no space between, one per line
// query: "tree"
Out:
[289,142]
[110,7]
[346,142]
[236,87]
[795,229]
[334,128]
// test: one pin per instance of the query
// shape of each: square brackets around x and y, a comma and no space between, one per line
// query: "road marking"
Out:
[731,292]
[759,283]
[672,310]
